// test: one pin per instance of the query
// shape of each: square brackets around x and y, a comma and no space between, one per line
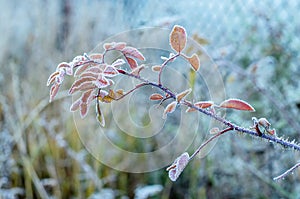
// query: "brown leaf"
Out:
[237,104]
[178,38]
[87,96]
[52,78]
[156,96]
[106,97]
[194,61]
[133,52]
[201,104]
[132,63]
[119,93]
[99,115]
[53,91]
[183,94]
[169,109]
[156,68]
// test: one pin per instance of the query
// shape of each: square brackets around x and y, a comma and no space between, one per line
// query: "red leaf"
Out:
[169,109]
[53,91]
[178,38]
[183,94]
[133,52]
[194,61]
[237,104]
[87,96]
[156,96]
[132,63]
[65,66]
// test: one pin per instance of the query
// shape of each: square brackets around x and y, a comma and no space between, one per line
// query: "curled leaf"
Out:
[119,93]
[133,52]
[194,61]
[156,68]
[52,78]
[183,94]
[169,109]
[178,38]
[137,70]
[99,115]
[118,63]
[237,104]
[156,96]
[178,166]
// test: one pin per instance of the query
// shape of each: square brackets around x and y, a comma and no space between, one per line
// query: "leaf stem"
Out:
[164,65]
[209,140]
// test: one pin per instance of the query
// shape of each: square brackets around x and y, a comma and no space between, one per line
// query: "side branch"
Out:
[281,141]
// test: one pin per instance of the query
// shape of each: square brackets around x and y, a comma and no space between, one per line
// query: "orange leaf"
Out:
[156,68]
[182,95]
[169,109]
[156,96]
[194,61]
[237,104]
[133,52]
[178,38]
[204,104]
[132,63]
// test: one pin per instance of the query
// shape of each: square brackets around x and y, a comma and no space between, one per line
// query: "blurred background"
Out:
[255,44]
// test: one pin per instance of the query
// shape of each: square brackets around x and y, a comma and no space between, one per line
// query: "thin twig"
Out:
[164,65]
[209,140]
[287,172]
